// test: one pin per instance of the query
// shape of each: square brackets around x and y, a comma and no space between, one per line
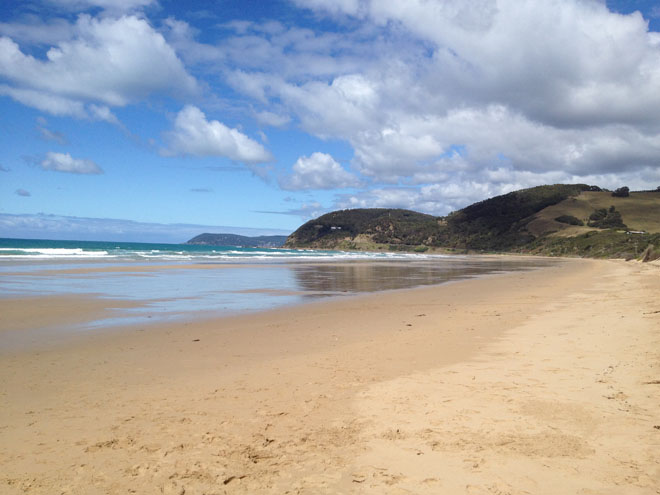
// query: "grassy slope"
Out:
[500,223]
[640,211]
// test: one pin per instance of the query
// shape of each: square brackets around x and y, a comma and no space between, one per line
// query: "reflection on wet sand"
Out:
[333,279]
[193,291]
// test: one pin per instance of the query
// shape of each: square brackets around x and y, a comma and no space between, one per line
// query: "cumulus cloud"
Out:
[194,135]
[472,92]
[592,65]
[254,56]
[318,171]
[460,190]
[34,29]
[107,62]
[64,162]
[443,102]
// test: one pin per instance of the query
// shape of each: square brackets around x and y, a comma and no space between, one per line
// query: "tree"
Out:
[622,192]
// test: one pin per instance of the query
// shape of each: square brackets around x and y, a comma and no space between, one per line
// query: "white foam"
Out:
[48,253]
[235,256]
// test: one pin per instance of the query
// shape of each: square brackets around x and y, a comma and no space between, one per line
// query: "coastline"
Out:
[539,381]
[51,302]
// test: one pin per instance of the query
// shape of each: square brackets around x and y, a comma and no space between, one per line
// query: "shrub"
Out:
[569,219]
[606,219]
[597,215]
[622,192]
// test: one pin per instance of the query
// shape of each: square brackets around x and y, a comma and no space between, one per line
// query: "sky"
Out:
[159,119]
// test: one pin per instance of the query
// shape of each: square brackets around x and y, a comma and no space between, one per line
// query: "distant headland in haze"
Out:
[263,241]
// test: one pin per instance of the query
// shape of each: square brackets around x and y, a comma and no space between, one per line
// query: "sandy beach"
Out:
[540,382]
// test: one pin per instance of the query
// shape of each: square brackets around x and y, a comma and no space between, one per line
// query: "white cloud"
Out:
[442,101]
[34,29]
[59,106]
[488,135]
[292,52]
[318,171]
[23,192]
[592,65]
[349,103]
[101,112]
[272,119]
[259,57]
[194,135]
[109,61]
[471,91]
[46,102]
[464,189]
[64,162]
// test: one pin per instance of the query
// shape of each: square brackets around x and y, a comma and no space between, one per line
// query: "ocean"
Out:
[143,283]
[36,249]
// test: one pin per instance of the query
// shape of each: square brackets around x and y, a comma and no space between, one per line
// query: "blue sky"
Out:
[147,119]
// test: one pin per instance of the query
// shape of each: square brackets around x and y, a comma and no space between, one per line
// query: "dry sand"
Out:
[544,382]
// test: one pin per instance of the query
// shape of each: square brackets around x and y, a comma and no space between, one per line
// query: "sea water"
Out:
[32,249]
[176,281]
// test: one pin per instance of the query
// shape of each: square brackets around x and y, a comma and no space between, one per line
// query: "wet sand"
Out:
[538,382]
[137,293]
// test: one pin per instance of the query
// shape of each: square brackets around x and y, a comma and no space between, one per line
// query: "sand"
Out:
[540,382]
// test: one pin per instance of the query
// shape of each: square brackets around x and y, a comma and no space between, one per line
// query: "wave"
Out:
[72,250]
[48,253]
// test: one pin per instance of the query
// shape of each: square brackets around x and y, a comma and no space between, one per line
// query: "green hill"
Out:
[366,228]
[558,219]
[500,223]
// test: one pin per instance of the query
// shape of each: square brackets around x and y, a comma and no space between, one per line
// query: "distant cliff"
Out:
[264,241]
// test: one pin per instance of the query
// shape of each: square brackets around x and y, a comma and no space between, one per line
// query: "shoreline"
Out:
[365,394]
[100,298]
